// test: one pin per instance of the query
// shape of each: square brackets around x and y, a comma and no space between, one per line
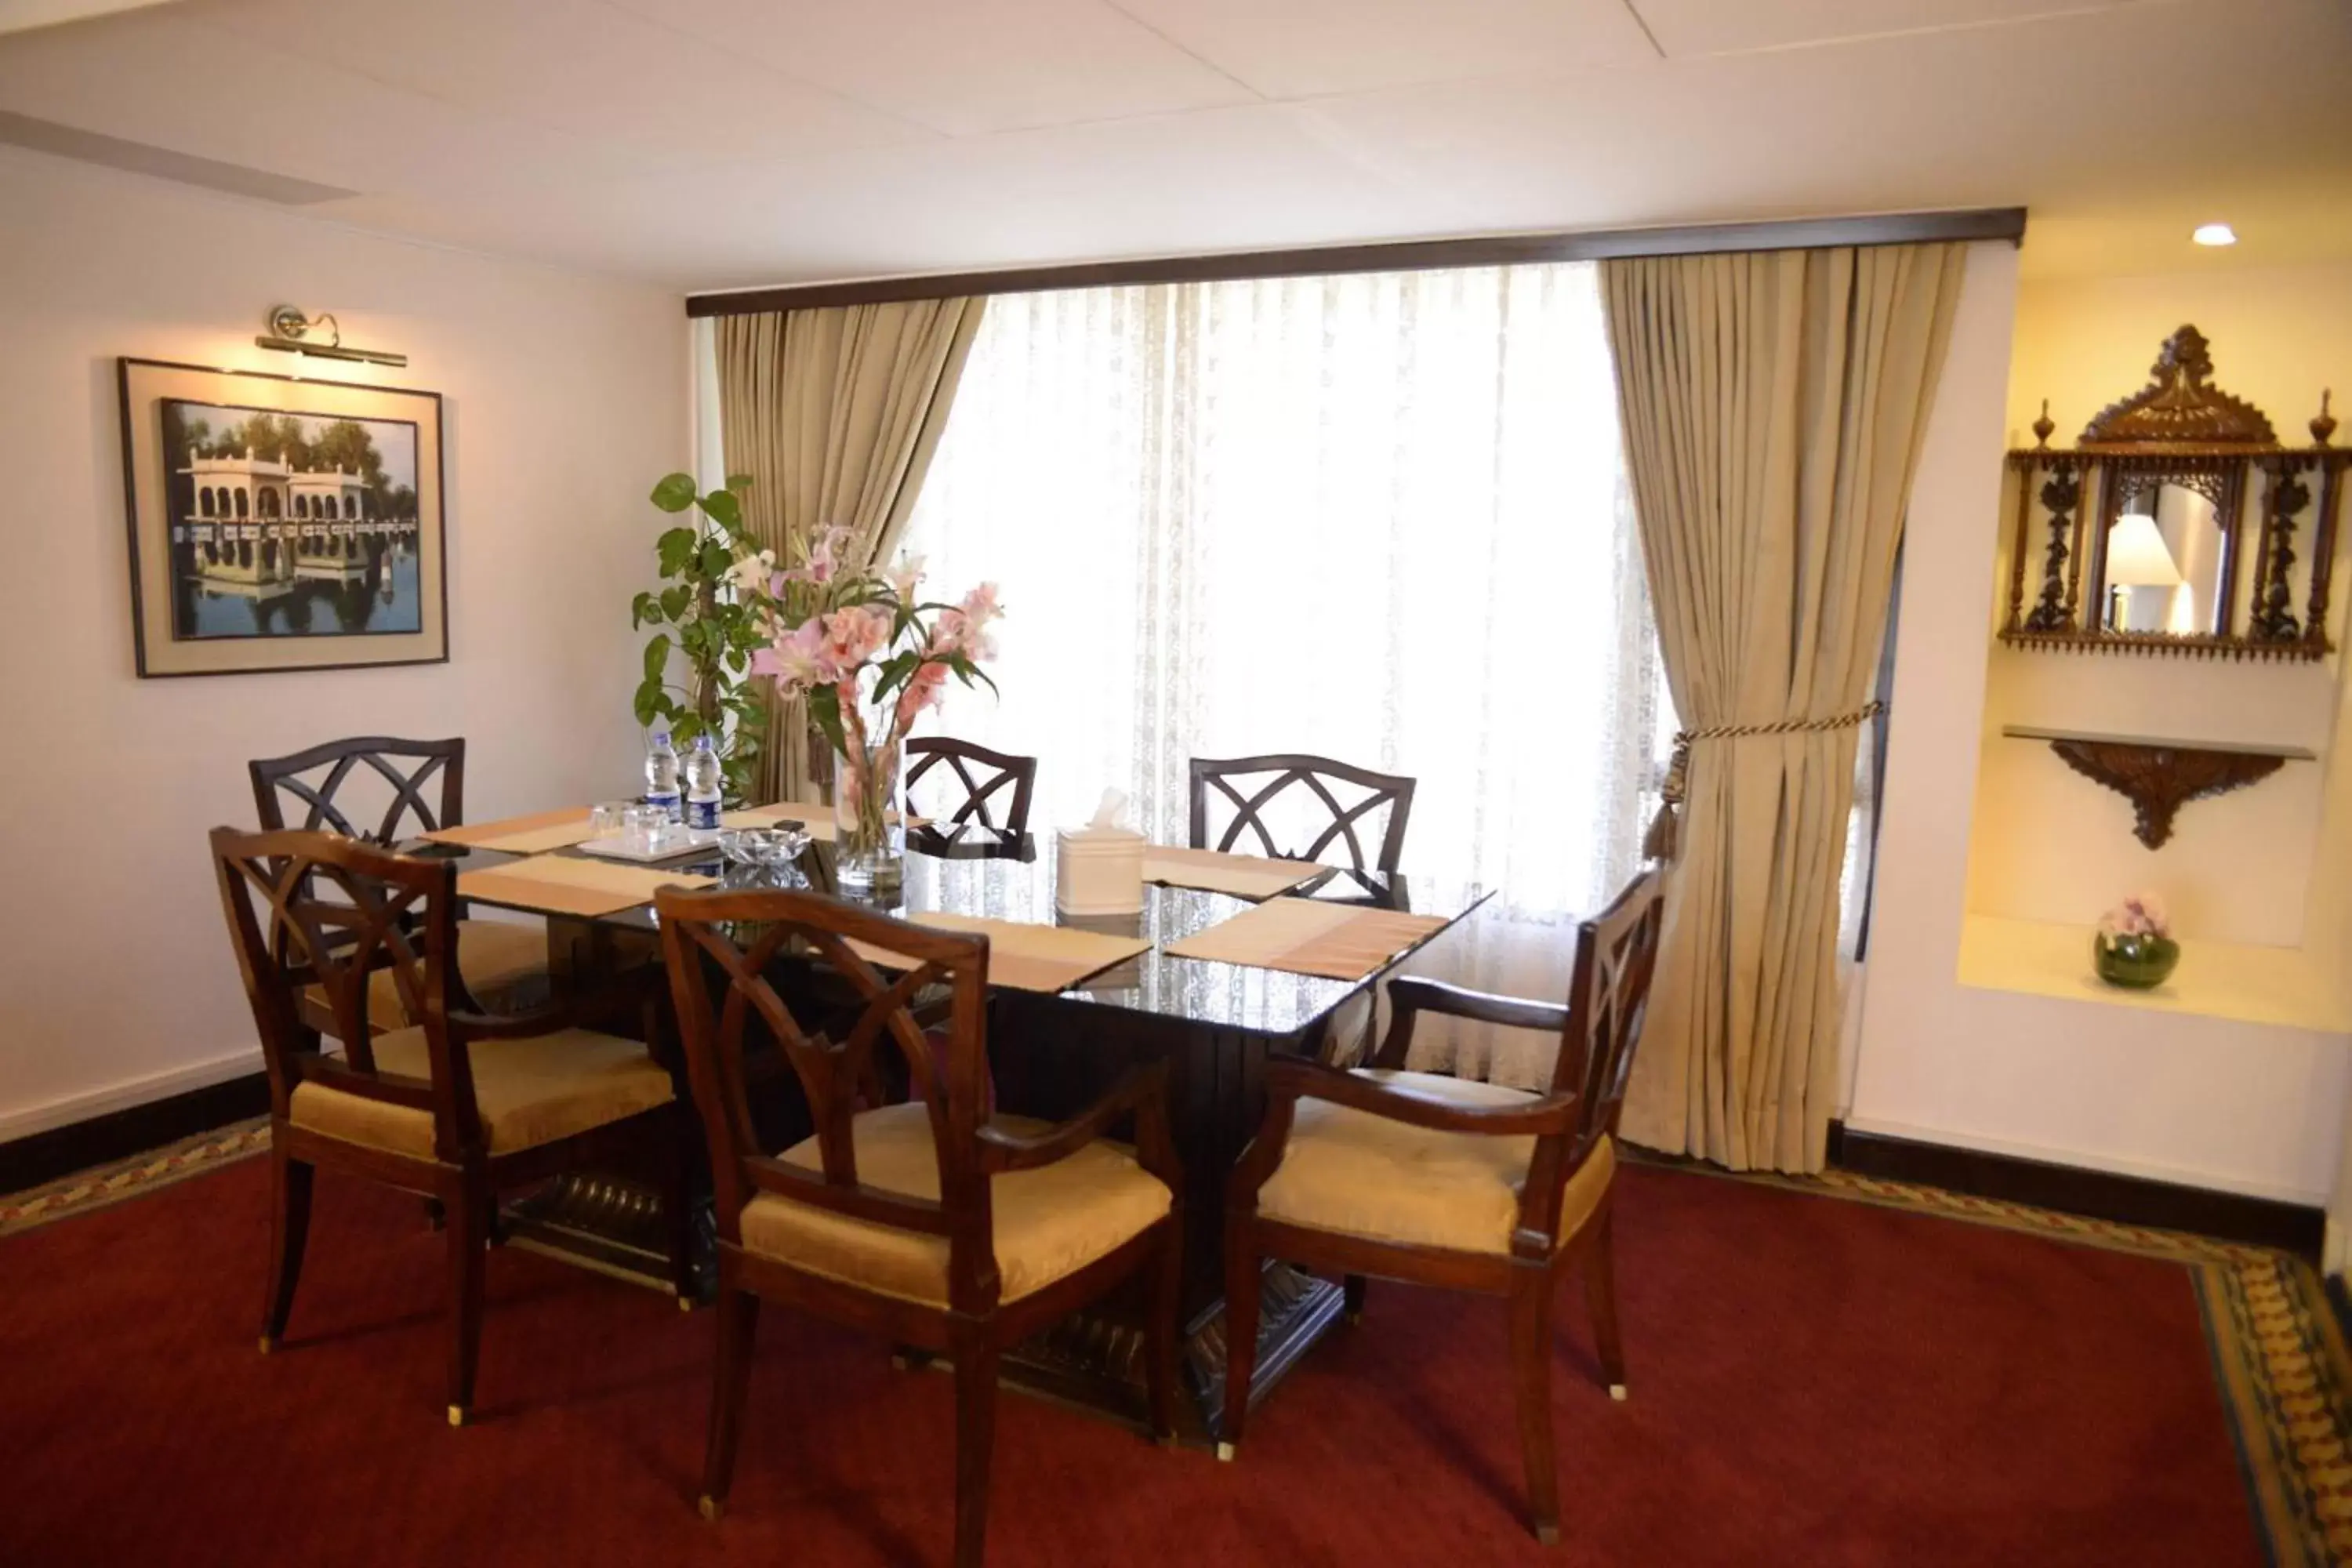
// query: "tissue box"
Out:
[1097,871]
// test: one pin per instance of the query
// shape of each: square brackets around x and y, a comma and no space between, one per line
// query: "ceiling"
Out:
[716,144]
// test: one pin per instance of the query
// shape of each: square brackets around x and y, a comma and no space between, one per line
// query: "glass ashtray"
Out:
[762,846]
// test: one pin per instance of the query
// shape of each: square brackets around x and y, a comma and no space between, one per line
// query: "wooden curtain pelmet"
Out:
[1399,255]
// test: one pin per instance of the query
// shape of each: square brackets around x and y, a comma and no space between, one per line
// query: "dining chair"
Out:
[461,1105]
[502,962]
[928,753]
[1235,780]
[1439,1181]
[930,1220]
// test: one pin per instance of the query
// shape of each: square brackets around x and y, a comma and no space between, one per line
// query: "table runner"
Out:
[568,885]
[1305,936]
[1212,870]
[1023,956]
[539,831]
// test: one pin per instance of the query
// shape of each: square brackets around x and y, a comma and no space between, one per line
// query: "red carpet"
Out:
[1814,1382]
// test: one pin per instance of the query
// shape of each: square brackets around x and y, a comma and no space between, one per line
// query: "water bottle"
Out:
[661,776]
[702,785]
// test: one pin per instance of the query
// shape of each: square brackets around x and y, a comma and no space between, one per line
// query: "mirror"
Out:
[2164,561]
[2176,523]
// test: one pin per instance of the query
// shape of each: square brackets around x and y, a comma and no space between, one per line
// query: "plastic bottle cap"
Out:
[661,737]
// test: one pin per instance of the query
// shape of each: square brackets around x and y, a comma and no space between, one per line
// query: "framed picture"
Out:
[281,523]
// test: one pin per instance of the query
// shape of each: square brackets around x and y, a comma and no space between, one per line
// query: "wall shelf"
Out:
[2157,775]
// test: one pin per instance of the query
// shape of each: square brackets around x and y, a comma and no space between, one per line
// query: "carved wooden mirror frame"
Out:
[2180,430]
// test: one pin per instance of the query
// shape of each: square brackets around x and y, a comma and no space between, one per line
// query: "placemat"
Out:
[568,885]
[814,816]
[532,835]
[1214,871]
[1023,956]
[1305,936]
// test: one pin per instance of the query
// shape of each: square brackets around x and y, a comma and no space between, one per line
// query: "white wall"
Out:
[565,397]
[1960,1041]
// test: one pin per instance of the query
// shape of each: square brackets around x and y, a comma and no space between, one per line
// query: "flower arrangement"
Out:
[869,654]
[2134,947]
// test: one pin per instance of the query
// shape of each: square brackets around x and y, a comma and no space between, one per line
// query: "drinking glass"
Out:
[641,828]
[605,820]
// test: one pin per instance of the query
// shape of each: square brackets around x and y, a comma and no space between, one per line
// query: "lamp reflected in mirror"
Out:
[2141,575]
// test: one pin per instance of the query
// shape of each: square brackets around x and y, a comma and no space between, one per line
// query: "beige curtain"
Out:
[1773,407]
[834,415]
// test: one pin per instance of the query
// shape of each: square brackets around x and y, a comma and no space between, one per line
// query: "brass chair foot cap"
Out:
[456,1416]
[713,1508]
[901,1361]
[1352,1318]
[269,1344]
[1617,1392]
[1225,1453]
[686,1303]
[1548,1534]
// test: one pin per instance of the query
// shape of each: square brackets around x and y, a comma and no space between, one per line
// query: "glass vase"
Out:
[2134,962]
[868,846]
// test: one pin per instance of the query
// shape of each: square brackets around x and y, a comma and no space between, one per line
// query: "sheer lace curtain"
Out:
[1383,518]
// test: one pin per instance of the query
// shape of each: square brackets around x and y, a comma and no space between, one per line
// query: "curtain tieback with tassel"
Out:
[1662,841]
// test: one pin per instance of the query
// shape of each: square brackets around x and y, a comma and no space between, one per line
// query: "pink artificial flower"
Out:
[980,607]
[923,690]
[905,577]
[798,659]
[854,636]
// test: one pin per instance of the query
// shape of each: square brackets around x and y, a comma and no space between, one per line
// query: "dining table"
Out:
[1051,1053]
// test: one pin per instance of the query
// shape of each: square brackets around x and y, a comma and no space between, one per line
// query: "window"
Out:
[1383,518]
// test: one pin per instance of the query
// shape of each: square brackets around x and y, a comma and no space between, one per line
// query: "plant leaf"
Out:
[677,548]
[716,559]
[739,481]
[656,656]
[675,492]
[725,508]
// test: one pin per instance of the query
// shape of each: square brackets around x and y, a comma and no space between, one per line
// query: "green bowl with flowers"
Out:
[2135,963]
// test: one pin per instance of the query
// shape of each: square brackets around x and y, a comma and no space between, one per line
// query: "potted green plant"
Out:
[713,609]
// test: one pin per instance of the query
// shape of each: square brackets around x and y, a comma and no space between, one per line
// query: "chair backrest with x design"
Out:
[1311,789]
[1607,995]
[723,944]
[1016,773]
[406,768]
[310,908]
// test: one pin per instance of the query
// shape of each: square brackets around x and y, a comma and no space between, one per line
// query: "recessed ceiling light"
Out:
[2215,233]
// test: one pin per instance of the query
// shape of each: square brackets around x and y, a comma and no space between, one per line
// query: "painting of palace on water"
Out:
[280,523]
[289,524]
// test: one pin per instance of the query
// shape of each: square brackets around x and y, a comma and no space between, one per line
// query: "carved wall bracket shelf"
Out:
[2160,776]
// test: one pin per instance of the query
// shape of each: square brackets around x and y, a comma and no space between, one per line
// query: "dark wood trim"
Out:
[43,1157]
[2072,1189]
[1397,256]
[2340,1301]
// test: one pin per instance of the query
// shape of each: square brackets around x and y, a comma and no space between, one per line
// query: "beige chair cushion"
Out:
[1360,1174]
[504,964]
[530,1091]
[1050,1222]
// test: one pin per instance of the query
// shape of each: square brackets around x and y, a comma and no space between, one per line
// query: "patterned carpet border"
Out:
[104,1185]
[2279,1355]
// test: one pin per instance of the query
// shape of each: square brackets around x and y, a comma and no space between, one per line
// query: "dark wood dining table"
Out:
[1214,1023]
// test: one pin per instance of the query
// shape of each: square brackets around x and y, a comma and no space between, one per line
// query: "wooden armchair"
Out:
[1472,1186]
[1312,776]
[1020,773]
[930,1221]
[502,962]
[458,1106]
